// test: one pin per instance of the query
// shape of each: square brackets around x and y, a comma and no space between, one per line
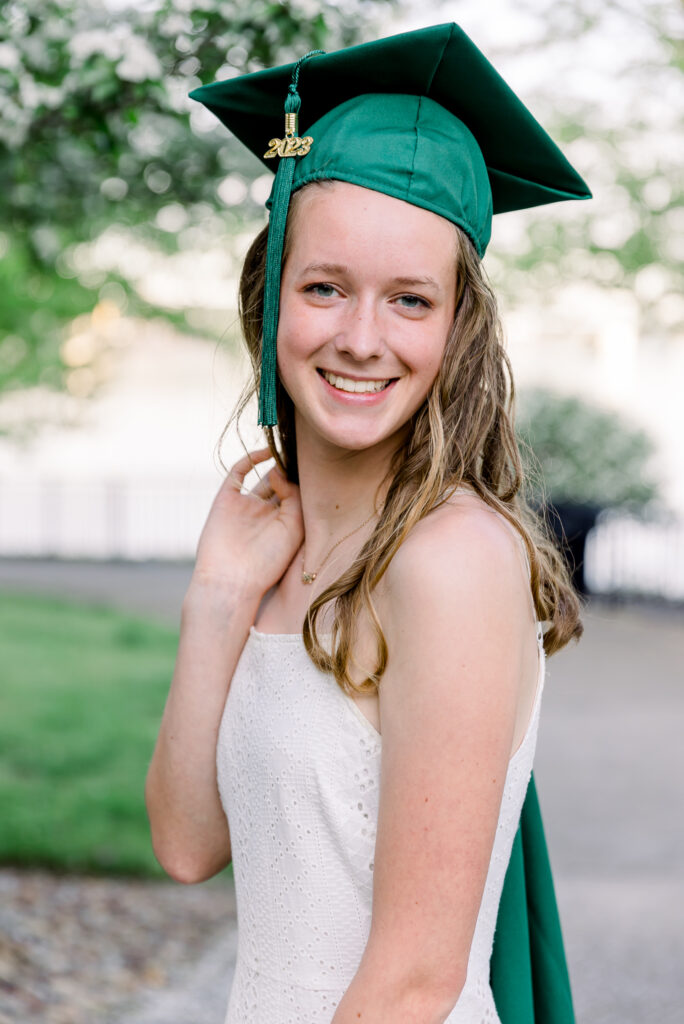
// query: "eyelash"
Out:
[420,302]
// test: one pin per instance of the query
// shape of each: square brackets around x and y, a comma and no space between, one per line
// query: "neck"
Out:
[339,489]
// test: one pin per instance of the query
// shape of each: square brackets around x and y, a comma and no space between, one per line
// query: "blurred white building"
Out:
[132,471]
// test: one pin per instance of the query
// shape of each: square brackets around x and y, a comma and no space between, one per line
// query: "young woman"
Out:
[362,647]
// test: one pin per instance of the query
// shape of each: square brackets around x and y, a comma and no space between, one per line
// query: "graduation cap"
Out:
[422,116]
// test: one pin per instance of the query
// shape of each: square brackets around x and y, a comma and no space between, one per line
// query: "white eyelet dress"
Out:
[298,772]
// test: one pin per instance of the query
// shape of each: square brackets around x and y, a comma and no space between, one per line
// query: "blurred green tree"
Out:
[96,130]
[581,460]
[586,455]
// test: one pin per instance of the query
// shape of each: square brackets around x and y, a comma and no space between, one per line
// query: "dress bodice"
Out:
[298,768]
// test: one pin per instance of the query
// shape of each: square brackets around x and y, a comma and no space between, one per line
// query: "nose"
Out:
[361,335]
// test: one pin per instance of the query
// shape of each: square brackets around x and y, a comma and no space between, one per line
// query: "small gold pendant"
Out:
[308,577]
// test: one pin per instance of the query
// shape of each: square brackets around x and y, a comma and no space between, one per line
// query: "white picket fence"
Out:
[162,519]
[626,555]
[104,519]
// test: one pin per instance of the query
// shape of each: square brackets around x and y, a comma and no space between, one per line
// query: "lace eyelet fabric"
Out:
[298,768]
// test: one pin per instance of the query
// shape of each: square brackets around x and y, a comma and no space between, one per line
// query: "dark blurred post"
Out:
[571,522]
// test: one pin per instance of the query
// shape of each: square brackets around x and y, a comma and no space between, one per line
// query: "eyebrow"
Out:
[339,268]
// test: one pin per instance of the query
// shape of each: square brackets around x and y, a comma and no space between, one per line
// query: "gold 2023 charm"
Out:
[292,144]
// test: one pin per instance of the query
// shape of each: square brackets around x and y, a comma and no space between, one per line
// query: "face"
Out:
[366,303]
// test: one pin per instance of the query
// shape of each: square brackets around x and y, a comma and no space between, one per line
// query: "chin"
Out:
[353,431]
[359,438]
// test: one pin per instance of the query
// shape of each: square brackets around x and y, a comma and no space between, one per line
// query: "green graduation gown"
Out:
[529,974]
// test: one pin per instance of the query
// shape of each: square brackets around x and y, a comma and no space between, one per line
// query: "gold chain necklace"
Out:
[309,577]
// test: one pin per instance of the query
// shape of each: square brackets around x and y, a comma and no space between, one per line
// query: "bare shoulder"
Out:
[462,559]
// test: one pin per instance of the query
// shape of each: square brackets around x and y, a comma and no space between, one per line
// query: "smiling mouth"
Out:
[356,386]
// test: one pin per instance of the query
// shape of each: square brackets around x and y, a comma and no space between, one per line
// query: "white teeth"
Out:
[358,386]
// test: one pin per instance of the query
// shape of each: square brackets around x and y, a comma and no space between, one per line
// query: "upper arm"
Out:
[455,609]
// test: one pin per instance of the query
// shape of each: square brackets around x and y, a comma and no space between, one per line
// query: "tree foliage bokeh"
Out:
[583,454]
[605,78]
[97,129]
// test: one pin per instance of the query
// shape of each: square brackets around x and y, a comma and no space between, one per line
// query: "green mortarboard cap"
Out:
[422,116]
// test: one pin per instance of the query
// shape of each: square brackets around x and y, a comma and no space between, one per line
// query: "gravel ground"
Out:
[198,996]
[77,950]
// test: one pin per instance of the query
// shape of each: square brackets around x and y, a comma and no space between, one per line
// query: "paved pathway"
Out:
[152,588]
[609,772]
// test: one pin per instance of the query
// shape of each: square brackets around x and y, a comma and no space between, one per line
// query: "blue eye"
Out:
[324,291]
[413,302]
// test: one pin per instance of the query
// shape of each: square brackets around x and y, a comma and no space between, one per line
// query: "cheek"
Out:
[300,330]
[293,340]
[425,357]
[298,342]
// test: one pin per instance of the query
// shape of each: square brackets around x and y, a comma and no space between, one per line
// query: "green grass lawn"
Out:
[82,690]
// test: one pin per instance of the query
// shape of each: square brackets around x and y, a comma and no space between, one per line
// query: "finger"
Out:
[241,468]
[263,489]
[286,492]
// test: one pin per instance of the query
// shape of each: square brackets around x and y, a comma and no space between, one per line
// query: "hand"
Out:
[250,539]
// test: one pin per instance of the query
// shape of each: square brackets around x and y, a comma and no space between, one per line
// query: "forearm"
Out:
[189,829]
[375,996]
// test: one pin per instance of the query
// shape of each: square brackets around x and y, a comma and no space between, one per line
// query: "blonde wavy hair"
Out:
[463,434]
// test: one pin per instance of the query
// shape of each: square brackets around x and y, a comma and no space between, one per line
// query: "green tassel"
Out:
[268,415]
[280,204]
